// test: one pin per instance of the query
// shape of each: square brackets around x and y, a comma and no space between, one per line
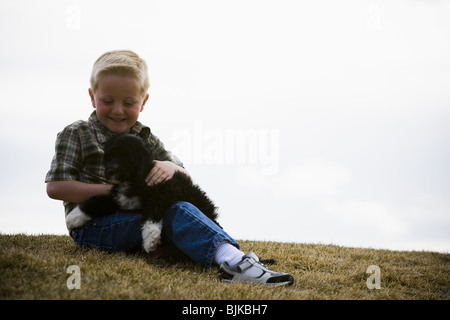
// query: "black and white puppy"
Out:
[128,160]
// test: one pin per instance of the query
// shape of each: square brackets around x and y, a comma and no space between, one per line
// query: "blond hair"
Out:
[122,63]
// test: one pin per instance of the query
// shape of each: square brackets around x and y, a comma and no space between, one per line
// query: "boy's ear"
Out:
[92,97]
[144,102]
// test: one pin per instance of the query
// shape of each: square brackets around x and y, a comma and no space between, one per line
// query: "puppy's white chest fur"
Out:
[125,202]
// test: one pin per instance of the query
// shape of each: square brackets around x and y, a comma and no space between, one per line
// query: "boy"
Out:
[119,84]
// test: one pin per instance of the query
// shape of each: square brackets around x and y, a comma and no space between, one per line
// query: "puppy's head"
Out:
[127,158]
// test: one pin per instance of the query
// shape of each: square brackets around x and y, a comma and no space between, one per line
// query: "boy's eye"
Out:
[125,103]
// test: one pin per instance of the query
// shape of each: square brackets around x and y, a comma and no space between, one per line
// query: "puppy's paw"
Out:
[76,218]
[151,235]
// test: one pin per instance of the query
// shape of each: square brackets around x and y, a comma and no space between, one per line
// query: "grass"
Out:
[35,267]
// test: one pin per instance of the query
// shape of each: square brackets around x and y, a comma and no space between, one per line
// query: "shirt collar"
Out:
[103,133]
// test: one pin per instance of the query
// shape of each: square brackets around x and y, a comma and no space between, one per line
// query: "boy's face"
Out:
[118,102]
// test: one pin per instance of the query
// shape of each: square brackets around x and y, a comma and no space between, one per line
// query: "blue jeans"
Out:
[184,225]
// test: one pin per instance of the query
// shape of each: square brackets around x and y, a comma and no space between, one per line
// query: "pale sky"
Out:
[306,121]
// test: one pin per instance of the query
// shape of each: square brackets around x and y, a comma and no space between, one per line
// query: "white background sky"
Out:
[340,109]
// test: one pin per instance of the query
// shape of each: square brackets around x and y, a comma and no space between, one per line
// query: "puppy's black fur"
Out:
[128,160]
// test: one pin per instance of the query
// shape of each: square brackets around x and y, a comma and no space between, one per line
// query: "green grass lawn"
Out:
[37,267]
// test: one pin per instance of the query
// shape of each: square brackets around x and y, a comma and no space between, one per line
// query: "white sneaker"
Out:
[250,270]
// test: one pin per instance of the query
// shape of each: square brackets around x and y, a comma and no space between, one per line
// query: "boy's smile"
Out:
[118,102]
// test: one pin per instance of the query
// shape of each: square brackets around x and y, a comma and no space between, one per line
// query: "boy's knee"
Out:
[183,205]
[179,208]
[181,212]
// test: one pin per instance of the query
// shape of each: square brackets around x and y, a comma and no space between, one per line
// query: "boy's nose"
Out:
[117,108]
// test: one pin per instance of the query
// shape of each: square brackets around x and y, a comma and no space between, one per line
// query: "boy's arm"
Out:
[75,191]
[165,165]
[162,171]
[160,153]
[64,174]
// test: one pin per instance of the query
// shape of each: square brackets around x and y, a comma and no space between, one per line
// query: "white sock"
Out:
[228,253]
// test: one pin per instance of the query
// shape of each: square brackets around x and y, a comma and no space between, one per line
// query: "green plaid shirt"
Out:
[79,152]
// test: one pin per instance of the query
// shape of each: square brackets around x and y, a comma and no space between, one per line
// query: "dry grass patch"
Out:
[35,267]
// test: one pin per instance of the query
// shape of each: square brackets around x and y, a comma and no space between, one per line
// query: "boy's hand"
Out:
[162,171]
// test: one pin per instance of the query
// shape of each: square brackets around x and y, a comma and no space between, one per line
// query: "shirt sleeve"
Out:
[160,153]
[66,163]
